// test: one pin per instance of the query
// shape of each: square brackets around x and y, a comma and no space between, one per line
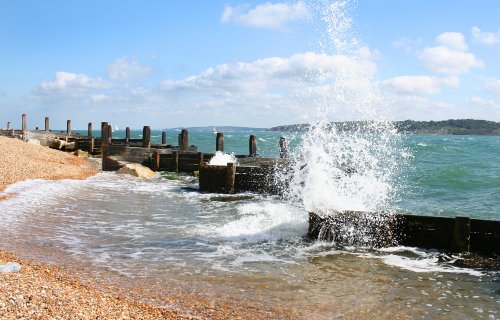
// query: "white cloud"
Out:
[127,69]
[487,38]
[265,74]
[453,41]
[268,15]
[71,84]
[451,56]
[420,84]
[479,101]
[492,85]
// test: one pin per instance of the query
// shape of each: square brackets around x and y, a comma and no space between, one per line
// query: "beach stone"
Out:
[137,170]
[56,144]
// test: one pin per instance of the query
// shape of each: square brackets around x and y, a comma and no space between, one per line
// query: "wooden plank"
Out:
[485,226]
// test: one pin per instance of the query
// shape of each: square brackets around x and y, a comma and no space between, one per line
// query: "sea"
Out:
[167,238]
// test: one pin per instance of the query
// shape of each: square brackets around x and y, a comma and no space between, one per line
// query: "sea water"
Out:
[253,250]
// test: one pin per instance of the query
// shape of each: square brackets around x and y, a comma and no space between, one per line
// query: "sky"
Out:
[247,63]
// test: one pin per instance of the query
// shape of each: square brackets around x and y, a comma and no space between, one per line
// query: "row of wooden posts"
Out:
[107,132]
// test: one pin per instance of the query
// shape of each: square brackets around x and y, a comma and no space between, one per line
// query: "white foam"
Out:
[221,159]
[429,264]
[261,221]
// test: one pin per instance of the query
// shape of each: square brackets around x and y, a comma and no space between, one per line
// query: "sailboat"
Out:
[214,131]
[116,128]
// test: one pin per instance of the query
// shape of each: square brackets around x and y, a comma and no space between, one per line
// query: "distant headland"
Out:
[455,127]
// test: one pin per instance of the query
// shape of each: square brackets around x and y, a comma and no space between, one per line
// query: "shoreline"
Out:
[43,290]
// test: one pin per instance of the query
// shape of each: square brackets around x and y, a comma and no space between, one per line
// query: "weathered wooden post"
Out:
[24,134]
[252,146]
[146,137]
[89,130]
[156,161]
[47,127]
[283,148]
[175,161]
[127,134]
[104,134]
[184,140]
[9,125]
[219,142]
[23,122]
[199,158]
[68,127]
[91,145]
[110,133]
[230,177]
[461,235]
[163,137]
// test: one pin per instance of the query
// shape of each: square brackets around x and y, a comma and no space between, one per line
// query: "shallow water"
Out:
[251,252]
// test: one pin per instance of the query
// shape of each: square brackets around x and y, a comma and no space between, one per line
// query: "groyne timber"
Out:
[257,174]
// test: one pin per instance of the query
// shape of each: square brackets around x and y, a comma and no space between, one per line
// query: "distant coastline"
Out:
[454,127]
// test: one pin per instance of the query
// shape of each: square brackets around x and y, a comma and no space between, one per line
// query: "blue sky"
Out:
[247,63]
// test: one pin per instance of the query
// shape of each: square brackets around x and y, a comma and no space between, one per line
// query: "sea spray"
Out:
[221,159]
[345,166]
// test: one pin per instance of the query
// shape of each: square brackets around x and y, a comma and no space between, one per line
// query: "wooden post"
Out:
[146,137]
[199,158]
[24,134]
[127,134]
[47,127]
[91,145]
[156,161]
[110,133]
[252,146]
[68,127]
[104,134]
[23,122]
[283,148]
[219,142]
[163,137]
[231,177]
[89,130]
[184,140]
[9,125]
[461,235]
[175,160]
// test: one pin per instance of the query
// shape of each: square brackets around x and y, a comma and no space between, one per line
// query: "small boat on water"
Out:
[214,131]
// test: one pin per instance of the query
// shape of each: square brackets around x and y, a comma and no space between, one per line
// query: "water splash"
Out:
[348,165]
[221,159]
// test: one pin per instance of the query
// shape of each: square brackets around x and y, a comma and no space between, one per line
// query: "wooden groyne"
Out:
[458,234]
[258,174]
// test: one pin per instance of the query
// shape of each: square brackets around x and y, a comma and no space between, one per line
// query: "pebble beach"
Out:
[40,291]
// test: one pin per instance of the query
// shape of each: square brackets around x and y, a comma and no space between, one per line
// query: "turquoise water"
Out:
[447,175]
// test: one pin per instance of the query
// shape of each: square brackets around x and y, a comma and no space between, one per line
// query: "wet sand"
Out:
[40,291]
